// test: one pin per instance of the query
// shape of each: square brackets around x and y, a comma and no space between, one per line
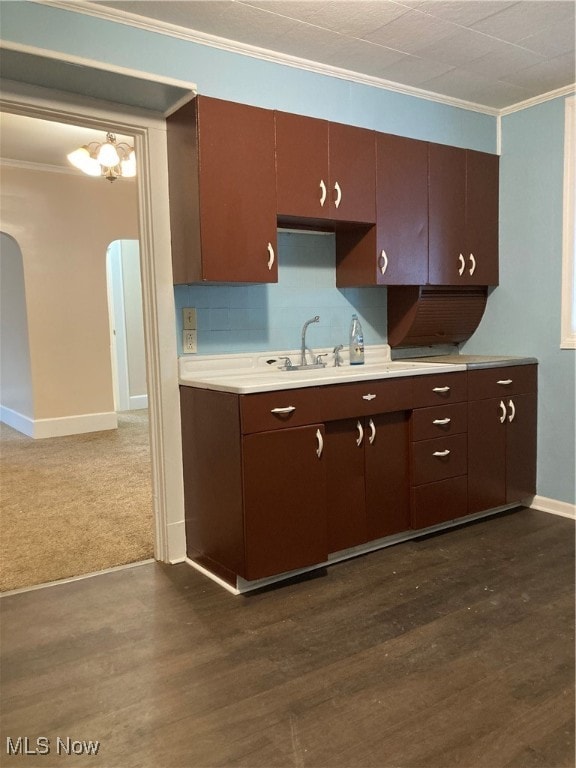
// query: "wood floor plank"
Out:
[451,651]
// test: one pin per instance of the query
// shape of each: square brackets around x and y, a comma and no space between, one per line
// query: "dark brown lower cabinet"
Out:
[367,479]
[284,480]
[501,451]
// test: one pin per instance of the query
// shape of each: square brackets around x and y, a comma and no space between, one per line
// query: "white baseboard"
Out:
[562,508]
[17,421]
[58,427]
[136,402]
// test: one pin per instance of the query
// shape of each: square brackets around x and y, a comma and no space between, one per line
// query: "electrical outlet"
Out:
[189,319]
[189,342]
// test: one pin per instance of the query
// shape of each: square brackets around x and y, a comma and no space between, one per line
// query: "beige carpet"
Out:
[76,504]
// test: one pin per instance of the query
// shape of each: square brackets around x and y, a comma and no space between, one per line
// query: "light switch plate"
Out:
[189,341]
[189,319]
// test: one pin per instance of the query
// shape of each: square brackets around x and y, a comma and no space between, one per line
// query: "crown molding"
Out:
[172,30]
[566,90]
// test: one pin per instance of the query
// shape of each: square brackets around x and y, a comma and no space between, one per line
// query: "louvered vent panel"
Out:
[421,316]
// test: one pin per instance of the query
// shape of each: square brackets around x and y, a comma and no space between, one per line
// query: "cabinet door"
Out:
[237,183]
[521,447]
[284,477]
[345,492]
[302,179]
[352,161]
[481,218]
[486,455]
[387,474]
[447,214]
[401,210]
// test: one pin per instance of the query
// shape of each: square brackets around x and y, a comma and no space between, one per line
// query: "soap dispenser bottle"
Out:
[356,342]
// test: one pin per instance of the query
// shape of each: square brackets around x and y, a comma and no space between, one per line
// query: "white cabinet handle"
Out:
[442,421]
[503,412]
[287,409]
[472,264]
[271,255]
[441,389]
[338,194]
[512,411]
[441,453]
[360,434]
[320,443]
[462,265]
[322,192]
[368,397]
[372,431]
[504,381]
[383,262]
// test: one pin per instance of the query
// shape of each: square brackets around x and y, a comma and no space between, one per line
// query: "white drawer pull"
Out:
[338,195]
[442,421]
[441,453]
[322,192]
[320,440]
[271,256]
[512,411]
[472,264]
[368,397]
[502,412]
[441,389]
[462,265]
[372,431]
[360,434]
[287,409]
[504,381]
[383,262]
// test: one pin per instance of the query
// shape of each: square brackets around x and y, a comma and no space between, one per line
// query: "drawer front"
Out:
[264,411]
[439,421]
[438,502]
[440,388]
[348,401]
[439,459]
[501,382]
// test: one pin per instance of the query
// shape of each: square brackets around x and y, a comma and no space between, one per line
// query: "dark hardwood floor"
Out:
[452,651]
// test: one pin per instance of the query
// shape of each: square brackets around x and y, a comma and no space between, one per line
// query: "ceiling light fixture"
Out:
[109,159]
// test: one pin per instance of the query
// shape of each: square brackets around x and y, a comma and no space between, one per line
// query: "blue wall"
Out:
[523,313]
[242,318]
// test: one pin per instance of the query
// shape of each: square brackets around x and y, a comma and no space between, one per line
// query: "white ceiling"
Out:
[492,53]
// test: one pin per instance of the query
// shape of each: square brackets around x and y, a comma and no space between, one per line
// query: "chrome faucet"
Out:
[337,355]
[303,362]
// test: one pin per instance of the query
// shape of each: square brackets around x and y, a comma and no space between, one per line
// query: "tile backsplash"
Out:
[234,318]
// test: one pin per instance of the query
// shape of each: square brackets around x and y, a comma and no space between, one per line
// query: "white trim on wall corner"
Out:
[59,427]
[138,401]
[17,421]
[555,507]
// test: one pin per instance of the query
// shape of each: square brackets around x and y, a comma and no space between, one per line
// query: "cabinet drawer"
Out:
[501,382]
[439,502]
[347,401]
[280,409]
[439,458]
[440,388]
[440,420]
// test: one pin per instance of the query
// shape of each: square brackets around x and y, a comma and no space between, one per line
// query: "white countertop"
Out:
[260,372]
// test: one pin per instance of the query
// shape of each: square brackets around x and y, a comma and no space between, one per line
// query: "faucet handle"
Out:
[337,355]
[287,363]
[319,358]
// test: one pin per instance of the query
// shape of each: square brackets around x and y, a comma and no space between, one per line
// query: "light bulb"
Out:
[107,155]
[129,165]
[82,160]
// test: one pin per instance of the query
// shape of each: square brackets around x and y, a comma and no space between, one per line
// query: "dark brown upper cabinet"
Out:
[324,171]
[463,217]
[222,192]
[401,211]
